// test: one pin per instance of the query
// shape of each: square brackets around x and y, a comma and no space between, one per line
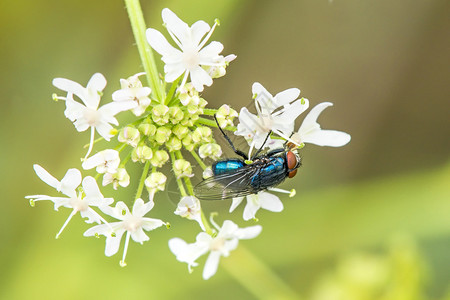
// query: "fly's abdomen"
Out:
[271,174]
[226,166]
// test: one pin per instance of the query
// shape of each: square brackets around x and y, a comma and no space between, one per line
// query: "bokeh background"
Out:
[370,220]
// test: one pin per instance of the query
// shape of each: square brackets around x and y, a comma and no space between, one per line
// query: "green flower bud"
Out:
[129,135]
[225,115]
[188,144]
[202,103]
[202,134]
[180,131]
[192,109]
[159,158]
[142,154]
[176,114]
[155,182]
[173,144]
[212,150]
[162,135]
[147,129]
[188,95]
[182,168]
[160,114]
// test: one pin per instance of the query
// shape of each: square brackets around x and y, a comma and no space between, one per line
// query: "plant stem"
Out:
[145,52]
[142,181]
[212,123]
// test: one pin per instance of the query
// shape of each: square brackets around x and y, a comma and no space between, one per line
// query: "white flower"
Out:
[189,207]
[121,178]
[192,56]
[310,131]
[133,224]
[275,113]
[226,240]
[78,202]
[88,114]
[106,161]
[132,91]
[262,200]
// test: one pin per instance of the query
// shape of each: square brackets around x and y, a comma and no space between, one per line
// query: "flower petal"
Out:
[70,87]
[97,82]
[331,138]
[70,182]
[212,262]
[175,25]
[46,176]
[160,44]
[248,232]
[199,78]
[139,236]
[270,202]
[198,30]
[287,96]
[235,203]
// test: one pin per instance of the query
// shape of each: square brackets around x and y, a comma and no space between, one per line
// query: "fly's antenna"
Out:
[238,152]
[262,146]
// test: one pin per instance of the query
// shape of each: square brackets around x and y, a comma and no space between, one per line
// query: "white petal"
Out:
[310,121]
[198,30]
[211,265]
[287,96]
[331,138]
[91,215]
[228,228]
[160,44]
[46,176]
[70,182]
[250,209]
[173,71]
[74,110]
[235,203]
[150,223]
[209,54]
[140,209]
[122,95]
[97,82]
[113,243]
[174,24]
[70,87]
[199,78]
[248,232]
[270,202]
[139,236]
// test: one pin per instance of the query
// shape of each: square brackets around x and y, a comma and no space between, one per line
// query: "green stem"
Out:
[138,26]
[198,159]
[172,90]
[257,277]
[212,123]
[210,111]
[142,181]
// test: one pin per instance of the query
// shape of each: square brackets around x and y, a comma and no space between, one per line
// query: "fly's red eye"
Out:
[291,160]
[292,173]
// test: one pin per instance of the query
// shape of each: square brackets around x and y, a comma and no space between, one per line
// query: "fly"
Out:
[238,177]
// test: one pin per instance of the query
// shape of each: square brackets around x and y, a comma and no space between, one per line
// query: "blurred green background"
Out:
[370,220]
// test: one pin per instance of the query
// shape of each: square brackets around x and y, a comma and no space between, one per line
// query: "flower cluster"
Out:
[168,126]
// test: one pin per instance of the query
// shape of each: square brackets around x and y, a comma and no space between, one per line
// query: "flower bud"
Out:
[180,131]
[212,150]
[142,154]
[173,144]
[160,114]
[182,168]
[188,94]
[188,143]
[162,135]
[176,114]
[159,158]
[155,182]
[121,178]
[202,134]
[147,129]
[129,135]
[225,115]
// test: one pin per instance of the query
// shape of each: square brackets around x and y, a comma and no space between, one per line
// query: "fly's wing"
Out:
[228,185]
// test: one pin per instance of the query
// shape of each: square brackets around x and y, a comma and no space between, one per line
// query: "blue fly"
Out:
[238,177]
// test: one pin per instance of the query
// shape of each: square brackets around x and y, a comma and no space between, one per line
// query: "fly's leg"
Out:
[238,152]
